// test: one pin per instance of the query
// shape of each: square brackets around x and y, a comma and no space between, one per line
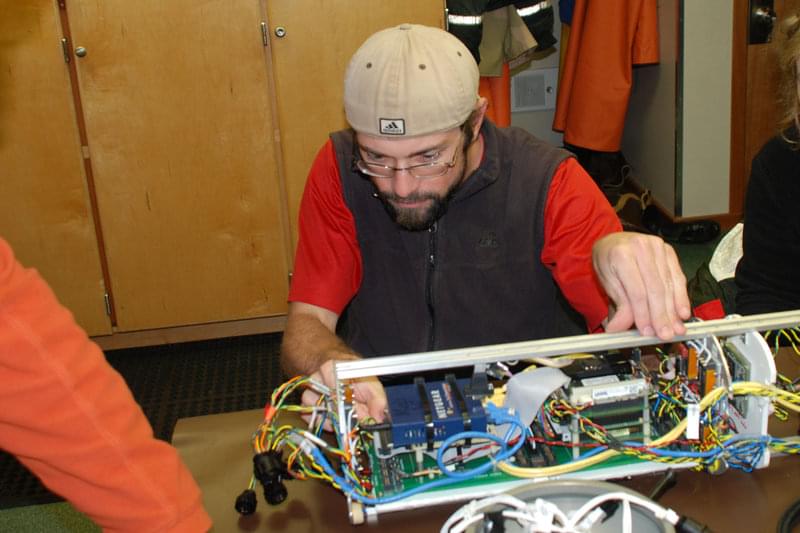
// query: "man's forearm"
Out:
[308,343]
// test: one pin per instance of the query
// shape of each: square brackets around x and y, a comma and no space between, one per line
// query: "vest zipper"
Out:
[429,286]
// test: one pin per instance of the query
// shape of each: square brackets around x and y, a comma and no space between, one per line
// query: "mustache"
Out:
[411,198]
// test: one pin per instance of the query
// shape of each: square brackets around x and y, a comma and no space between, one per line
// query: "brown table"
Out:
[217,450]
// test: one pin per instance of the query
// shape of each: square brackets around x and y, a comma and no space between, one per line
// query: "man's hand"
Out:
[642,276]
[369,397]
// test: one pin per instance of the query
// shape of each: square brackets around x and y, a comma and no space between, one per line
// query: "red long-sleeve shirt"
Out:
[68,416]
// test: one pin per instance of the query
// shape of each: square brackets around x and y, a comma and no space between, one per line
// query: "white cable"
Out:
[313,418]
[469,510]
[541,515]
[627,519]
[319,387]
[545,516]
[659,512]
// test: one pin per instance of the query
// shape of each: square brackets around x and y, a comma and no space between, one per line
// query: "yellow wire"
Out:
[742,387]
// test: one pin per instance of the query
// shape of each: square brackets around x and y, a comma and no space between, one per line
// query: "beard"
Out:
[419,218]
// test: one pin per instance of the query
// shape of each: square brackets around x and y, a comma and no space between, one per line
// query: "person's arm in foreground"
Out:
[69,417]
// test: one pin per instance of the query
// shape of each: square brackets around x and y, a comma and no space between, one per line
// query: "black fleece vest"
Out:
[475,277]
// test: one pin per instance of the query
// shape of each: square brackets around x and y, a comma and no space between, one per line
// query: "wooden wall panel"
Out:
[177,110]
[44,204]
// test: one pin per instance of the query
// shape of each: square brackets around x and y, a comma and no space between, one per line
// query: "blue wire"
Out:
[674,453]
[498,417]
[469,474]
[592,452]
[348,489]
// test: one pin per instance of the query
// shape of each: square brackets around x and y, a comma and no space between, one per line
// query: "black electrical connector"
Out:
[246,502]
[271,471]
[479,386]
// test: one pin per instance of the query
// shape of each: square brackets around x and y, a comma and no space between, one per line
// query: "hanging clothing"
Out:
[497,91]
[505,37]
[605,40]
[465,21]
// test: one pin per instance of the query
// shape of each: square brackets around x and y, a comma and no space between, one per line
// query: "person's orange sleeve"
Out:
[69,417]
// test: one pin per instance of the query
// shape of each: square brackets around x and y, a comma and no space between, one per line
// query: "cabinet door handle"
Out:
[80,51]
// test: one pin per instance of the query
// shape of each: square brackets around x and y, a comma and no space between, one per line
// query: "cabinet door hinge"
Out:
[65,49]
[264,34]
[107,300]
[290,277]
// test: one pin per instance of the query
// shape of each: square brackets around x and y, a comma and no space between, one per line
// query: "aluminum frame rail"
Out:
[458,357]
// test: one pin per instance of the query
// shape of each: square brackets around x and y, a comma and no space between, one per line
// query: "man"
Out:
[70,418]
[430,228]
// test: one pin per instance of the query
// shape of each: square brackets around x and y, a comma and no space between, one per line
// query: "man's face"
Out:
[415,203]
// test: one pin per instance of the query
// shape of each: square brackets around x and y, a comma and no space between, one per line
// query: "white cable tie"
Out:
[692,421]
[670,516]
[313,438]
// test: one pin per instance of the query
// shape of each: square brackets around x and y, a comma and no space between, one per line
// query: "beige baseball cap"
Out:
[410,80]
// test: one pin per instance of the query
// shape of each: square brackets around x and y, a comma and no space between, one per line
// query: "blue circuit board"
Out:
[425,412]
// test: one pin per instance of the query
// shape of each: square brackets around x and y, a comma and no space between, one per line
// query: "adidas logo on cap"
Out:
[392,126]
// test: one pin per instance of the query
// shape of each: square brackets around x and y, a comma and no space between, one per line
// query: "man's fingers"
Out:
[626,287]
[681,294]
[655,270]
[621,321]
[643,278]
[370,392]
[309,397]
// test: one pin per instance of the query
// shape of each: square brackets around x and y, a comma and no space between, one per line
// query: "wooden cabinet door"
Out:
[308,68]
[182,144]
[45,211]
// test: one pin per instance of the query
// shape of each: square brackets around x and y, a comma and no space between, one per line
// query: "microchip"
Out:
[422,412]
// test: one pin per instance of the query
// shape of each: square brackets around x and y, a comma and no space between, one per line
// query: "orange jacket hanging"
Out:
[605,40]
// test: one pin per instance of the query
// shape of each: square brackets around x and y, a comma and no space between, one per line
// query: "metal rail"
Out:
[443,359]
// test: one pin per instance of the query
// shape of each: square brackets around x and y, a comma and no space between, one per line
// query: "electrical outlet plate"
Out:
[534,90]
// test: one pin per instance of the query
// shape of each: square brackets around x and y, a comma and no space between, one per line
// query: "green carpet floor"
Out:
[48,518]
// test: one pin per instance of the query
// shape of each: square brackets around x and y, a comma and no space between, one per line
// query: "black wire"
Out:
[790,518]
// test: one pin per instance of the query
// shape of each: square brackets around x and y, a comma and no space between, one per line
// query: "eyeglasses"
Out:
[422,171]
